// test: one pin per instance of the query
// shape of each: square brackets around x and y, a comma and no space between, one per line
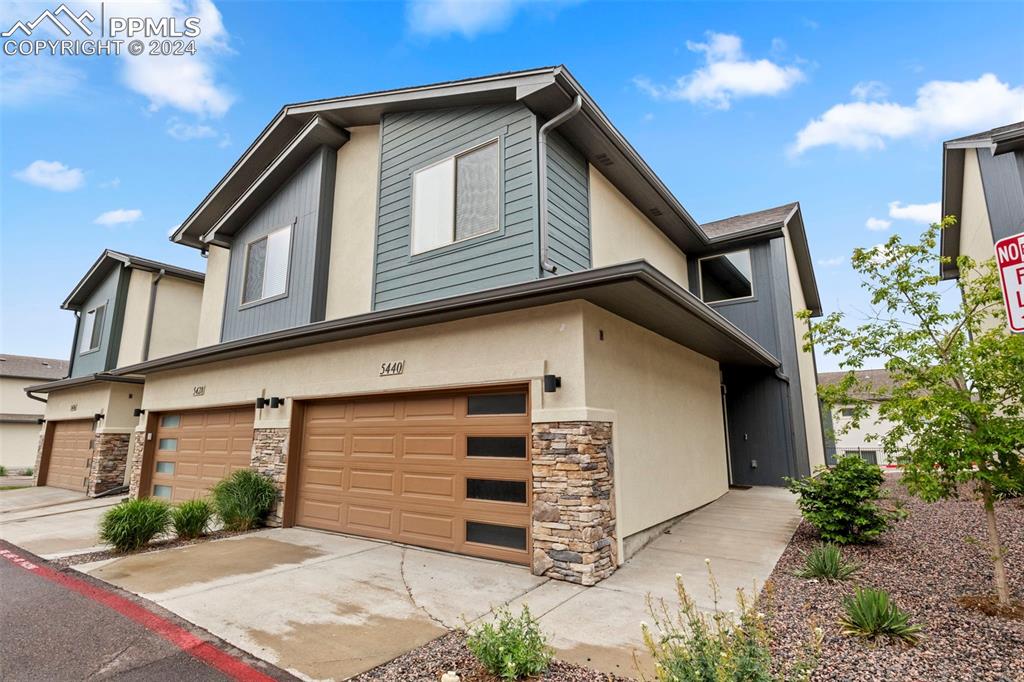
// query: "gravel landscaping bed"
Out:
[156,546]
[449,652]
[927,562]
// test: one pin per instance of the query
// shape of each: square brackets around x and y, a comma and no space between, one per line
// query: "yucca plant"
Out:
[872,614]
[244,499]
[130,525]
[191,519]
[826,562]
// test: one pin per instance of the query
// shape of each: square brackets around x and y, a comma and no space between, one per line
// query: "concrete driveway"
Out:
[52,522]
[328,606]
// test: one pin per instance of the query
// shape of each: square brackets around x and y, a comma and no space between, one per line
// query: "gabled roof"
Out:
[878,381]
[1001,140]
[765,224]
[30,367]
[111,260]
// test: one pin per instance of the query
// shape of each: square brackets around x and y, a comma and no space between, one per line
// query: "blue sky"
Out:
[737,107]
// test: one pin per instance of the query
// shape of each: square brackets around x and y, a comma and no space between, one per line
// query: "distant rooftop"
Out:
[749,221]
[878,379]
[28,367]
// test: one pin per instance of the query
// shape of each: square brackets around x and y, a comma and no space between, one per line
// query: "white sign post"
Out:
[1010,261]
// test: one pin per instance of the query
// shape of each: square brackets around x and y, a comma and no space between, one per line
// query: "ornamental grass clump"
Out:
[842,502]
[872,614]
[130,525]
[512,647]
[191,519]
[826,562]
[243,499]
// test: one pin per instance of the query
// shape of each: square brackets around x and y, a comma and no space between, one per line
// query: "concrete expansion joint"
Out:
[408,591]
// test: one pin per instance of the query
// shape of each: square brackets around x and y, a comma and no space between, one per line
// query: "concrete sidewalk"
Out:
[52,522]
[328,606]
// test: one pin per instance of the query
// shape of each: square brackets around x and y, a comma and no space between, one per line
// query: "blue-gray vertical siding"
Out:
[99,360]
[569,206]
[303,202]
[1003,180]
[412,140]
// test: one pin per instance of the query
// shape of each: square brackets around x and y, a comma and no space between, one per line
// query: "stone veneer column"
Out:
[573,502]
[109,459]
[270,458]
[138,446]
[39,456]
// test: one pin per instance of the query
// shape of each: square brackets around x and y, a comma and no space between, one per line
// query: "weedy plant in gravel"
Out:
[191,519]
[872,614]
[689,645]
[512,647]
[842,502]
[826,562]
[243,499]
[130,525]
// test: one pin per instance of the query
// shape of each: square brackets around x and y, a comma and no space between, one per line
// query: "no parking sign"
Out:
[1010,261]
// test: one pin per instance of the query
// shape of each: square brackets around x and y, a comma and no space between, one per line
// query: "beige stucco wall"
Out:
[19,444]
[133,331]
[805,359]
[864,437]
[350,278]
[175,317]
[211,311]
[115,400]
[975,229]
[668,431]
[13,399]
[620,233]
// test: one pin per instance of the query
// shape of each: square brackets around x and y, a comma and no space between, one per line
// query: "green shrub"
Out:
[3,470]
[826,562]
[133,523]
[243,499]
[871,614]
[30,471]
[191,519]
[689,645]
[842,502]
[512,647]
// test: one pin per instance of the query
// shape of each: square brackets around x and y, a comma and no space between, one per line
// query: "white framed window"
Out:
[92,328]
[726,277]
[457,198]
[266,266]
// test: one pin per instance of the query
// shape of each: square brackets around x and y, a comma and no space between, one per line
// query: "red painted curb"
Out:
[175,634]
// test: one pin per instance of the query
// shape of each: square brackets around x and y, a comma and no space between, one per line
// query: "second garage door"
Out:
[448,471]
[71,454]
[196,449]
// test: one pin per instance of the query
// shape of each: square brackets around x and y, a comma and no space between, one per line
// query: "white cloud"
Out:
[941,108]
[877,224]
[866,90]
[52,175]
[185,82]
[180,130]
[466,17]
[118,216]
[727,74]
[831,262]
[29,80]
[918,213]
[113,183]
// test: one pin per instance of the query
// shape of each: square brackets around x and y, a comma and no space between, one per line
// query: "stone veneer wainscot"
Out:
[270,458]
[109,460]
[138,448]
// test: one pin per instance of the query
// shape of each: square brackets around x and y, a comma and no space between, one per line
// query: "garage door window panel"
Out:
[162,491]
[513,447]
[165,468]
[167,444]
[511,537]
[170,421]
[496,490]
[496,404]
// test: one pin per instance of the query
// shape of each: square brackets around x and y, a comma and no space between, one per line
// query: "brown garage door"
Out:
[71,454]
[448,471]
[196,449]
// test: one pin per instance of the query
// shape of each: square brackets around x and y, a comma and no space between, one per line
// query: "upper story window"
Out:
[726,277]
[266,266]
[456,199]
[92,328]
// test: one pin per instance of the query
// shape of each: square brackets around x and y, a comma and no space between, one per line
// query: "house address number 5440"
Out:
[390,369]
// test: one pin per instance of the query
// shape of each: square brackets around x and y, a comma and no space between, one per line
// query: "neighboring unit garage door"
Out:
[196,449]
[71,454]
[448,471]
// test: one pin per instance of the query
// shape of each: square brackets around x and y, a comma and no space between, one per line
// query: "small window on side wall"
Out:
[266,266]
[456,199]
[726,277]
[92,328]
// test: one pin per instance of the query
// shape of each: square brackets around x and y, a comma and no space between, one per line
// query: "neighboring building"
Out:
[128,310]
[865,439]
[19,414]
[468,316]
[983,187]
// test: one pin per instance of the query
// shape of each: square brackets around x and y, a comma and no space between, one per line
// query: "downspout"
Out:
[542,175]
[149,313]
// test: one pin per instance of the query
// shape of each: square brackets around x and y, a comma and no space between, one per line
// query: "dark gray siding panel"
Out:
[306,202]
[99,360]
[758,413]
[412,140]
[1001,177]
[569,211]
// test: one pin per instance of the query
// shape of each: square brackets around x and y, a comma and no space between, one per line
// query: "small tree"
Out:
[957,395]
